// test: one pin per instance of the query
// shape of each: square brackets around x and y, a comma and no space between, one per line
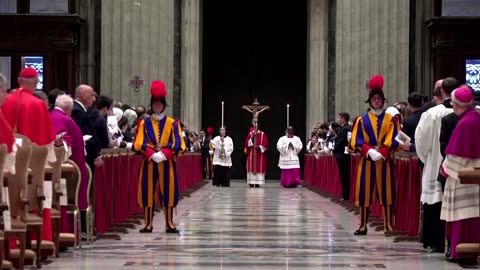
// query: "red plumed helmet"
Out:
[376,83]
[376,87]
[158,89]
[209,130]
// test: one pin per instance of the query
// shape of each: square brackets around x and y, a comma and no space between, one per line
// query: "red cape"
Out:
[6,136]
[33,119]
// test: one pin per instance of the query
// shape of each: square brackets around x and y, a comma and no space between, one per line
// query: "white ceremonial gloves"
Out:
[250,143]
[375,155]
[158,157]
[262,149]
[210,152]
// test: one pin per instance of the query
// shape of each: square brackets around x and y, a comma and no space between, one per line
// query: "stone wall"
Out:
[137,39]
[372,37]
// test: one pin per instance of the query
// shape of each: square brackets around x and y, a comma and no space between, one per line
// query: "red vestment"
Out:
[6,134]
[31,115]
[28,115]
[261,157]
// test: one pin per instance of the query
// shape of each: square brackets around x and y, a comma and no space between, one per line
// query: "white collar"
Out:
[158,117]
[377,112]
[60,109]
[81,104]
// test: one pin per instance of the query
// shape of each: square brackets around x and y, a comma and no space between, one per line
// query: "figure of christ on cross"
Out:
[256,145]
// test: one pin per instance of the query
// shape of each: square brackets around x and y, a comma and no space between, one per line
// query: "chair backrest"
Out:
[17,185]
[3,154]
[57,174]
[37,164]
[90,194]
[73,184]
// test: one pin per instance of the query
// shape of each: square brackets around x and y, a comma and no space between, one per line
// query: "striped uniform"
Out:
[377,132]
[165,133]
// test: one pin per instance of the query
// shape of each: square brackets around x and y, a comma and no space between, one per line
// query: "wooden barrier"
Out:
[321,174]
[116,186]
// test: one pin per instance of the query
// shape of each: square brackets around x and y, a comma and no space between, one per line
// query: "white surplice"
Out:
[289,157]
[427,142]
[228,146]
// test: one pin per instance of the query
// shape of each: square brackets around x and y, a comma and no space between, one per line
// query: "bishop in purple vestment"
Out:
[62,122]
[460,205]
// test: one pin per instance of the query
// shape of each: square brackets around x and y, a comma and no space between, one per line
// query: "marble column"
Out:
[191,93]
[422,59]
[317,62]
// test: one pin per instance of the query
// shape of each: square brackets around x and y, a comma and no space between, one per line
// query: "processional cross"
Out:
[255,109]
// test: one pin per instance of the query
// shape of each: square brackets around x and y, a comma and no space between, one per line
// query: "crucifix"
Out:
[255,109]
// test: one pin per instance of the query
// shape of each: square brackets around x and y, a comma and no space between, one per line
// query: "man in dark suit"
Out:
[343,160]
[411,122]
[205,150]
[84,99]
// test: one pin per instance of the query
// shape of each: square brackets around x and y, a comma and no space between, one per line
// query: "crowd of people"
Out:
[84,125]
[443,133]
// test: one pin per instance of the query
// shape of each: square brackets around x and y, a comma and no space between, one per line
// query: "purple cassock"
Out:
[74,139]
[464,150]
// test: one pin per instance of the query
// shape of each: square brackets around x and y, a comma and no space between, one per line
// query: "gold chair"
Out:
[3,207]
[36,197]
[68,171]
[89,211]
[54,173]
[17,203]
[73,186]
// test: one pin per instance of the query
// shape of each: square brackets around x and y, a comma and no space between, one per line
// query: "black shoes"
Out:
[172,230]
[146,230]
[360,232]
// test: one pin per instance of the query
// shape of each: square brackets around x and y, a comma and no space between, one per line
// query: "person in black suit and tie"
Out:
[205,150]
[343,160]
[84,99]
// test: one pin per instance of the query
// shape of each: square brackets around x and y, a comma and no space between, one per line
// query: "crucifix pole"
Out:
[255,109]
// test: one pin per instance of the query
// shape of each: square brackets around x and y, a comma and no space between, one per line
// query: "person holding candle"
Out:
[222,160]
[373,136]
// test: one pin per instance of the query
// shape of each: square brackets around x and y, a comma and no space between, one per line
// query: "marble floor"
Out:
[261,228]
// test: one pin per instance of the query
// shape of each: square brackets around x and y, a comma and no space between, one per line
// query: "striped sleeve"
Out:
[178,145]
[141,141]
[358,139]
[389,143]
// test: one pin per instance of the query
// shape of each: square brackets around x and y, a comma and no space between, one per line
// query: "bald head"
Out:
[438,85]
[85,95]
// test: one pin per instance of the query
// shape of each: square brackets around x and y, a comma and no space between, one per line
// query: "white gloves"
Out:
[375,155]
[250,143]
[262,149]
[210,152]
[158,157]
[129,145]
